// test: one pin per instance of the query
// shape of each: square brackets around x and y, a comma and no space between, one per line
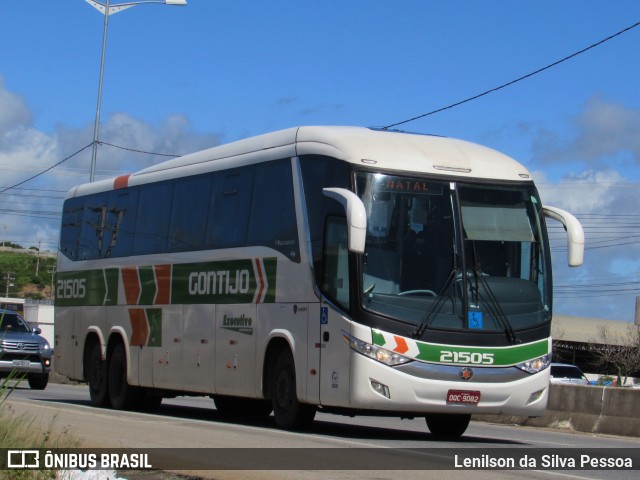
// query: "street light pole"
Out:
[96,125]
[107,9]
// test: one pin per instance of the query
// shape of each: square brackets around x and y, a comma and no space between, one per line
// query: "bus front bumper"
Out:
[376,386]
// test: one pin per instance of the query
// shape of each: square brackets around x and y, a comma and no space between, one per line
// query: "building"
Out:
[576,340]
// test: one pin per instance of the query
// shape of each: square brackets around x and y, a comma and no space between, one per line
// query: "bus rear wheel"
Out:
[122,395]
[97,377]
[288,411]
[448,426]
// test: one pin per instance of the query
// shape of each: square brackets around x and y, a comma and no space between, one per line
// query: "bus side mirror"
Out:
[356,216]
[575,234]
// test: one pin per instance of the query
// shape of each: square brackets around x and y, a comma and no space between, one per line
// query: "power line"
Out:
[80,151]
[47,169]
[495,89]
[138,151]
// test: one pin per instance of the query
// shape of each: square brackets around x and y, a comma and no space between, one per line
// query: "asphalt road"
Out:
[334,447]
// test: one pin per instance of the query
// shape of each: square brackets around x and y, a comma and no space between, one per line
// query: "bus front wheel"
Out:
[448,426]
[288,411]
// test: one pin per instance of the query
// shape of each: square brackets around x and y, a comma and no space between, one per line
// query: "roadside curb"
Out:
[584,408]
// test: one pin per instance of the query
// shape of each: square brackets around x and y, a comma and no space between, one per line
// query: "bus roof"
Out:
[387,150]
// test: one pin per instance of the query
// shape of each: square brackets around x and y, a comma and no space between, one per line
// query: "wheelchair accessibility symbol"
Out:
[475,320]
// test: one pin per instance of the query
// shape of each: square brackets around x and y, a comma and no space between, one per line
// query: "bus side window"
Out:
[123,206]
[273,214]
[335,276]
[71,227]
[230,207]
[189,213]
[152,224]
[92,232]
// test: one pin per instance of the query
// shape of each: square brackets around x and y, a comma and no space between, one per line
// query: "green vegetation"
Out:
[19,431]
[22,431]
[29,274]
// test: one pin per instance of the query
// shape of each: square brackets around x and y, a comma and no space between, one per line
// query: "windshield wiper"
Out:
[491,302]
[437,306]
[493,306]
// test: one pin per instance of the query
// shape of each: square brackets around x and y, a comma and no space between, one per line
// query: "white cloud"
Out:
[585,192]
[607,131]
[26,151]
[13,110]
[605,135]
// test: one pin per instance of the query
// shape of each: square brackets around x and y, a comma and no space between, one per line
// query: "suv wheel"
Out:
[38,381]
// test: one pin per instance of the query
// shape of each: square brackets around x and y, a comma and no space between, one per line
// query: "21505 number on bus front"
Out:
[466,358]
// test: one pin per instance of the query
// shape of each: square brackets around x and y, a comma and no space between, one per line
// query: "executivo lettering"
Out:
[241,324]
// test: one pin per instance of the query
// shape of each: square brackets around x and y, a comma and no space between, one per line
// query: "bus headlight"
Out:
[536,365]
[373,351]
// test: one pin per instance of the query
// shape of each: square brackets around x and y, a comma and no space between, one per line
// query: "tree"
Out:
[619,353]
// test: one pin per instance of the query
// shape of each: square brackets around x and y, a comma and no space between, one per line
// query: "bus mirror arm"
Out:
[575,234]
[356,216]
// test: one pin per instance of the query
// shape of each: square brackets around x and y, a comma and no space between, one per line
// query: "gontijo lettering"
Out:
[219,282]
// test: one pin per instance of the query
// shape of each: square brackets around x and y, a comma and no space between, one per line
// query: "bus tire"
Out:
[288,411]
[448,426]
[97,378]
[122,395]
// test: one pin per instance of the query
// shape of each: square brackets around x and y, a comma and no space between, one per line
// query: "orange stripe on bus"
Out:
[260,280]
[131,284]
[401,345]
[163,280]
[139,327]
[121,182]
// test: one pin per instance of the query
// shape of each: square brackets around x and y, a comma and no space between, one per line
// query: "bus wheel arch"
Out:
[95,371]
[280,386]
[276,346]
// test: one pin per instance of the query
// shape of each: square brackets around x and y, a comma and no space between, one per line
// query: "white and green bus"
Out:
[337,269]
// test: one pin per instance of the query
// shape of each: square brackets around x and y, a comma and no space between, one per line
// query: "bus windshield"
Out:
[454,256]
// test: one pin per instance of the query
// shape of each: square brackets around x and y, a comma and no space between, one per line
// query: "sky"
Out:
[181,79]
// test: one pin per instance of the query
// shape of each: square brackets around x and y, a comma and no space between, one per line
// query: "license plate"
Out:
[463,396]
[21,363]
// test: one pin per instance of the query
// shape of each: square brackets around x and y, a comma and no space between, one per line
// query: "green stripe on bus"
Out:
[147,285]
[504,356]
[473,355]
[88,287]
[231,281]
[154,317]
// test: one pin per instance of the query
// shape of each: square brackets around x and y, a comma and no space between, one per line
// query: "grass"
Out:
[23,431]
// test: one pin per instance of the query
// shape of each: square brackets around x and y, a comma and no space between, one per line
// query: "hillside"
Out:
[29,274]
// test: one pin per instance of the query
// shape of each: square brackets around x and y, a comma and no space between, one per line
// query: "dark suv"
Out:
[23,350]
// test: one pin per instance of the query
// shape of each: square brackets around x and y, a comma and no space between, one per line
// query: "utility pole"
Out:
[38,259]
[52,271]
[10,278]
